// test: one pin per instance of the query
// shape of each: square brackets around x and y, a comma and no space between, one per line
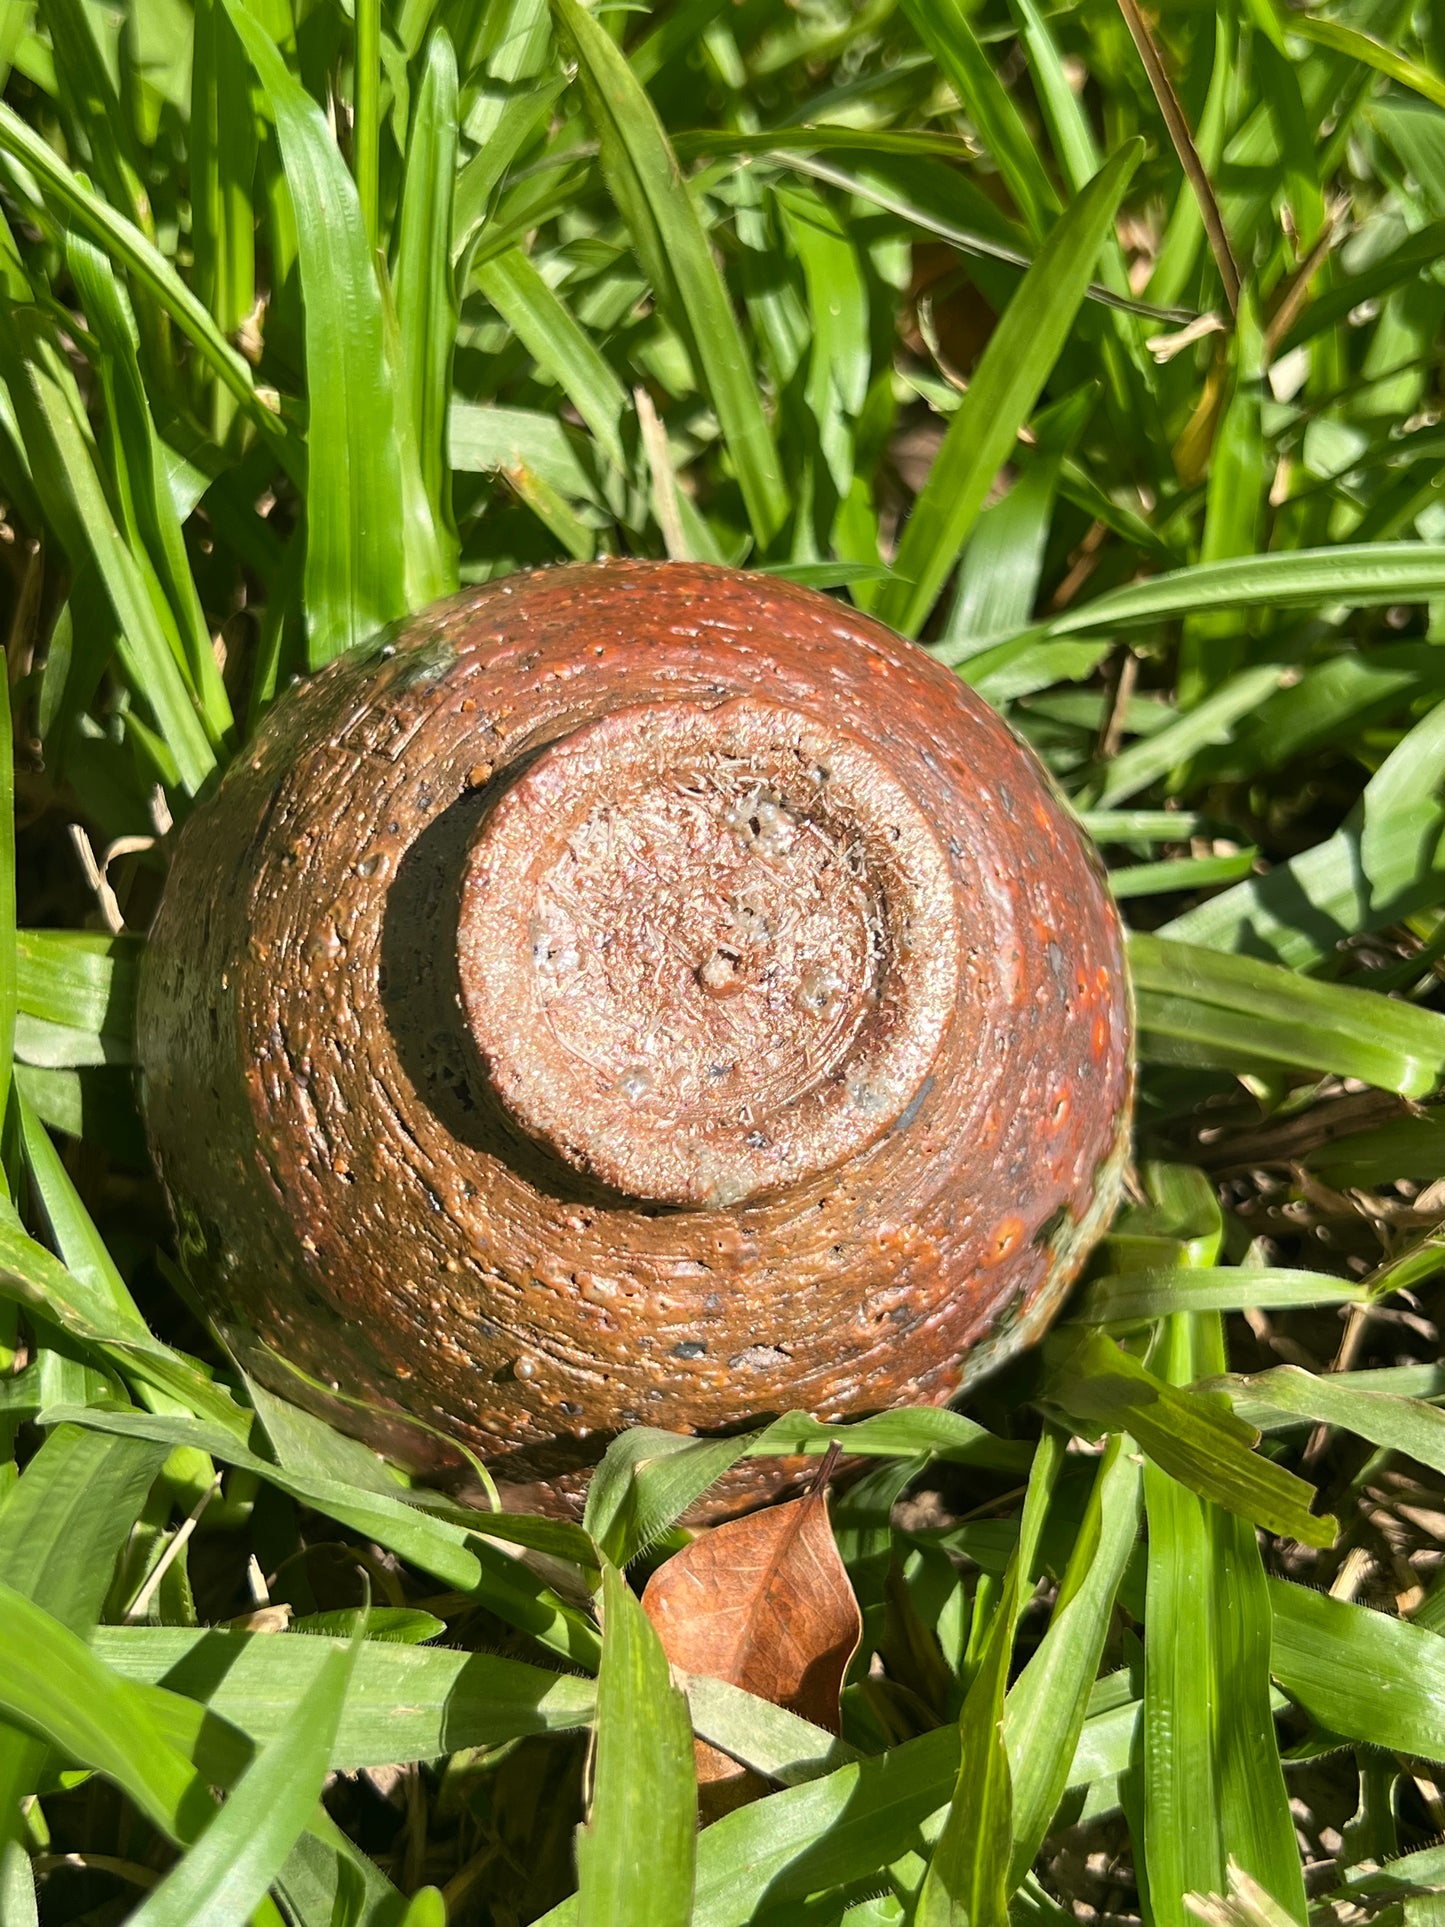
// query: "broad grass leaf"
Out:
[436,1545]
[1182,1845]
[69,1516]
[832,1830]
[487,440]
[362,535]
[54,1687]
[62,1526]
[1198,1005]
[18,1906]
[1359,1673]
[1258,1828]
[1185,1434]
[327,1882]
[1131,1298]
[635,1854]
[1047,1705]
[227,1873]
[1212,1781]
[772,1741]
[1006,384]
[967,1883]
[840,352]
[404,1702]
[82,978]
[643,178]
[427,311]
[762,1602]
[1395,1424]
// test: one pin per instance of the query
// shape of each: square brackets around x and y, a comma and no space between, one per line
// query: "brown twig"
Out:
[1183,139]
[826,1470]
[1296,292]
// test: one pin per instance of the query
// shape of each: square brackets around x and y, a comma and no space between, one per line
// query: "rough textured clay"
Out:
[632,993]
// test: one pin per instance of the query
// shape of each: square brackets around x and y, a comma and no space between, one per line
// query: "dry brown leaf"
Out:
[763,1603]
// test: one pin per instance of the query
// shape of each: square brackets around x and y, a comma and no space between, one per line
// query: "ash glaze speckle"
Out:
[634,988]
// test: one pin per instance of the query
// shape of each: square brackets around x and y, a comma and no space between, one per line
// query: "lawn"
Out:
[1098,352]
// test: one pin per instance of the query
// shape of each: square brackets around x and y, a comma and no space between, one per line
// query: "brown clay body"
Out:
[641,993]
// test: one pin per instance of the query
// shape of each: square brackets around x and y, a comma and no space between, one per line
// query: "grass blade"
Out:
[644,180]
[966,1884]
[51,1684]
[635,1854]
[426,300]
[226,1875]
[1223,1009]
[131,249]
[1047,1705]
[1008,382]
[559,345]
[358,541]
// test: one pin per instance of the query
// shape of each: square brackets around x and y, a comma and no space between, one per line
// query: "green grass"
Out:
[311,313]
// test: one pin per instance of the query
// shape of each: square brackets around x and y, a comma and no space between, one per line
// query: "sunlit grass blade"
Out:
[1200,1005]
[967,1882]
[1006,385]
[405,1702]
[1200,1446]
[635,1853]
[1047,1704]
[1406,1425]
[358,537]
[53,1686]
[543,324]
[643,177]
[436,1545]
[131,249]
[226,1874]
[1357,1672]
[1135,1297]
[58,432]
[69,1517]
[426,294]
